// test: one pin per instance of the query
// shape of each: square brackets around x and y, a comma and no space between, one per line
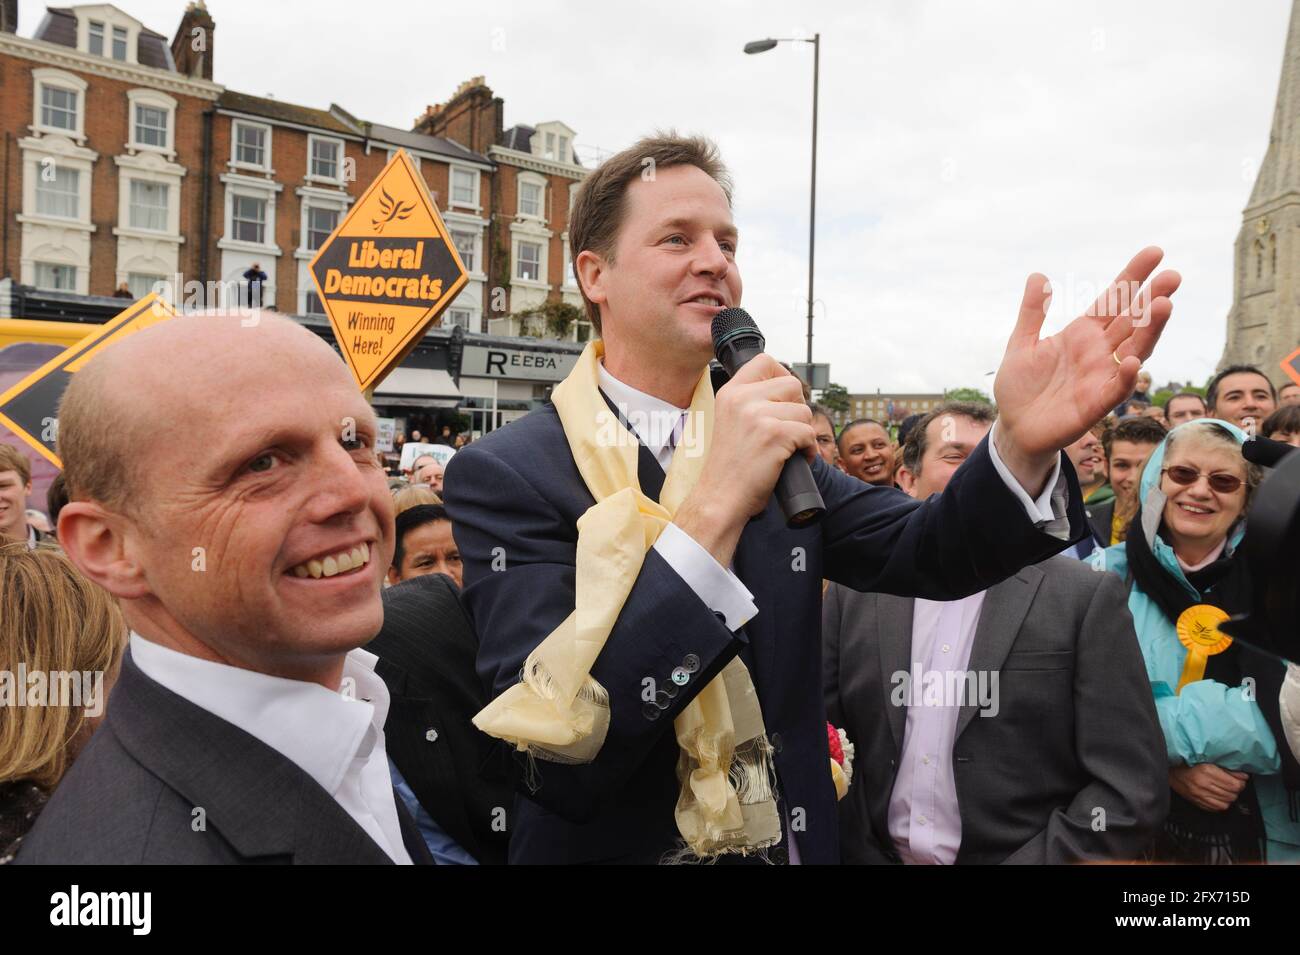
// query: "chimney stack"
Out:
[192,45]
[473,117]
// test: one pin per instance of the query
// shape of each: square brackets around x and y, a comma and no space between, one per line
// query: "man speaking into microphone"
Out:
[648,618]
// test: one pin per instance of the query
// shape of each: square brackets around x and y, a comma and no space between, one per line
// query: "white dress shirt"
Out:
[335,738]
[924,818]
[657,424]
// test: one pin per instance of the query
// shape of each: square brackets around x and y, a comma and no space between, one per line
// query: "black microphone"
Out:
[1265,451]
[736,339]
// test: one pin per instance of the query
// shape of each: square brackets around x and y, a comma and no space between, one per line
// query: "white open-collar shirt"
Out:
[335,738]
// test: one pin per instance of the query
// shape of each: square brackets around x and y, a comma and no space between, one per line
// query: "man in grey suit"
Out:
[246,545]
[1012,726]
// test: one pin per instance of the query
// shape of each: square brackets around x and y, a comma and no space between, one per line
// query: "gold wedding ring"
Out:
[1116,357]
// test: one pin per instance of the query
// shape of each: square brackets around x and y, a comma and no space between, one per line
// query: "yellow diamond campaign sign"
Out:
[387,272]
[30,408]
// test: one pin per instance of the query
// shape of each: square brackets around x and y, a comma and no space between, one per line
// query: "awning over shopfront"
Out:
[418,388]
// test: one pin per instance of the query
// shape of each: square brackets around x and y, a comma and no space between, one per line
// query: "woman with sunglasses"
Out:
[1233,780]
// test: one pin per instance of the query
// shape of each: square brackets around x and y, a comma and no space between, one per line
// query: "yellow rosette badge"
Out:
[1198,630]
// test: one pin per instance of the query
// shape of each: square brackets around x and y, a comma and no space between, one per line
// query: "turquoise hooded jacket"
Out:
[1208,722]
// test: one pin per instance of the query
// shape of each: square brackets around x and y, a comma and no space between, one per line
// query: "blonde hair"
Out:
[11,459]
[54,620]
[413,495]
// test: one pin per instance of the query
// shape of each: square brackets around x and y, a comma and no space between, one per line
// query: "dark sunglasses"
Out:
[1223,483]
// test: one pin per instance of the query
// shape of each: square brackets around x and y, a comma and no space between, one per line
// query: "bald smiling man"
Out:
[224,487]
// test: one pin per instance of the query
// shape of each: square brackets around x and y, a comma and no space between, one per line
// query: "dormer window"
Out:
[553,141]
[112,34]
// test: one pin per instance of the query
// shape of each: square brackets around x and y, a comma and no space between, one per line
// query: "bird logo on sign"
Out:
[390,210]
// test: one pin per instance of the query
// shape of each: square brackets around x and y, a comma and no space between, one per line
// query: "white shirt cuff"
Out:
[720,589]
[1048,512]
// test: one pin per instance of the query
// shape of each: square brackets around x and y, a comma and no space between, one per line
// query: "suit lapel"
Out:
[1001,616]
[259,801]
[893,625]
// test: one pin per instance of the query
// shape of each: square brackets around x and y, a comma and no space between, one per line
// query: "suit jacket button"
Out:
[431,735]
[663,700]
[681,676]
[775,740]
[650,711]
[690,663]
[779,856]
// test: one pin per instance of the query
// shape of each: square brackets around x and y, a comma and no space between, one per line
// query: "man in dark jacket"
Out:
[727,584]
[461,777]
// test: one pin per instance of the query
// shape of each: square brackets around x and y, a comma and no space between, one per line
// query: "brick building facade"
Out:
[102,154]
[536,174]
[124,163]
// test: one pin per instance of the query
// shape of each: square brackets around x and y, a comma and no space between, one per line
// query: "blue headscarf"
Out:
[1153,499]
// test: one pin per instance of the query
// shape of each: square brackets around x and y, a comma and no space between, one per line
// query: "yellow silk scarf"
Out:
[558,712]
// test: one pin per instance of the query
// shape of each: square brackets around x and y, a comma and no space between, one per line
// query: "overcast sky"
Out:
[962,145]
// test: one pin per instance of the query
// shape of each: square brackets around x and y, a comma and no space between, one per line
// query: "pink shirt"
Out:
[924,820]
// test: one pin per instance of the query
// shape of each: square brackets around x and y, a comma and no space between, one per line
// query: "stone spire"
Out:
[1264,324]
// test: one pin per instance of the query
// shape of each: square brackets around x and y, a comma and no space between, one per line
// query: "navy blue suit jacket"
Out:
[515,497]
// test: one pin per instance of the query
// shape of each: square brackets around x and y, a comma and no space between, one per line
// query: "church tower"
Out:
[1264,324]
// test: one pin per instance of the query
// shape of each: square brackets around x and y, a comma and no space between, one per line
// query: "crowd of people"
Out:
[551,648]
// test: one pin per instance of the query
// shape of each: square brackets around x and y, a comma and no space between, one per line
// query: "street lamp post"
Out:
[762,46]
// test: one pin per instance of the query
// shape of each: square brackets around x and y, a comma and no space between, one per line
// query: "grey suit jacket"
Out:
[164,781]
[1075,729]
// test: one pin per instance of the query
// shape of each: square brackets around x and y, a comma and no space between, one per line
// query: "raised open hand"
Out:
[1050,391]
